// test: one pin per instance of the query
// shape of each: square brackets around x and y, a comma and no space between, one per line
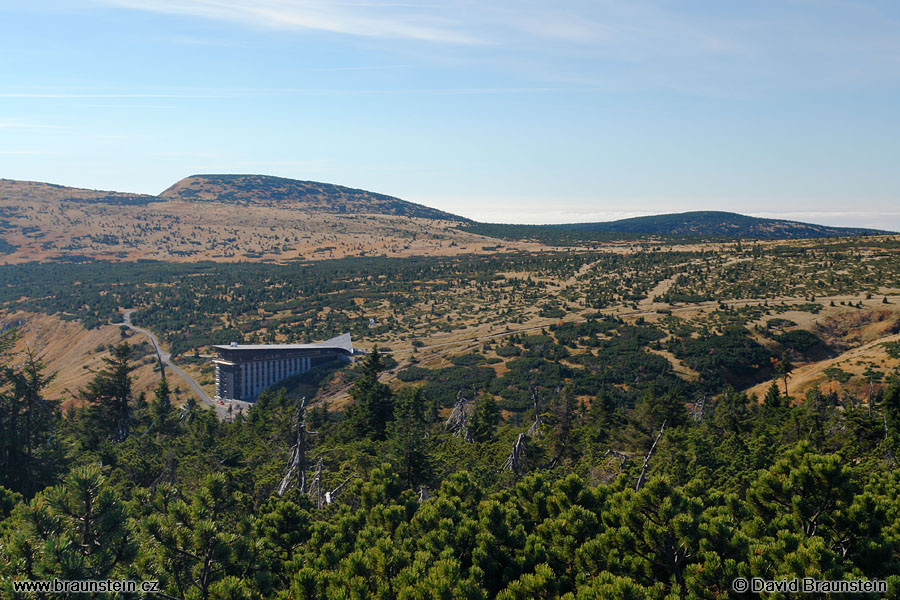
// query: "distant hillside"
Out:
[720,224]
[698,224]
[255,217]
[12,190]
[264,190]
[224,218]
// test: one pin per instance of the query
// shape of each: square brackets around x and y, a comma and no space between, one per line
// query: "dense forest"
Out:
[655,497]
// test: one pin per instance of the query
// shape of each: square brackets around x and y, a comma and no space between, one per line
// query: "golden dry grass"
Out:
[863,331]
[73,354]
[47,222]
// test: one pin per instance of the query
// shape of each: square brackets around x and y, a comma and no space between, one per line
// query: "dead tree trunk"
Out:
[514,460]
[535,429]
[329,496]
[458,421]
[620,455]
[296,466]
[700,409]
[640,481]
[315,485]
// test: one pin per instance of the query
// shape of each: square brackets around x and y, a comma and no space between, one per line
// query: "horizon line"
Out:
[791,216]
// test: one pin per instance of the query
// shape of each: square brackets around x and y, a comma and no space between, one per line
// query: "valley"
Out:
[814,300]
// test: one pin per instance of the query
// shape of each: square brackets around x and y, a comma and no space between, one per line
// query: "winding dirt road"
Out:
[166,358]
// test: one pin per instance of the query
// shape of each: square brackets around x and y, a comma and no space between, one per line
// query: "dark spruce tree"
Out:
[484,420]
[407,435]
[30,452]
[108,397]
[373,402]
[161,406]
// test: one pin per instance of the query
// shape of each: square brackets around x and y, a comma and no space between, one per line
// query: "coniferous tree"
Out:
[484,419]
[317,416]
[783,367]
[773,396]
[731,412]
[432,413]
[656,531]
[812,502]
[77,530]
[199,546]
[407,435]
[30,452]
[108,413]
[890,405]
[373,402]
[161,406]
[562,419]
[283,526]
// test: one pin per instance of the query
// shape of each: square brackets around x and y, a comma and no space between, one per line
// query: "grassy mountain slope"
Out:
[222,218]
[12,190]
[264,190]
[260,217]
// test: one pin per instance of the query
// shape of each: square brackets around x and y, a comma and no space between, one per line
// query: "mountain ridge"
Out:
[12,189]
[267,191]
[717,223]
[709,224]
[227,218]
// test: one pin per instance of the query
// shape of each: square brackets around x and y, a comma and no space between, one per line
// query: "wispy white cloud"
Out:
[128,106]
[473,91]
[233,93]
[186,153]
[82,95]
[362,68]
[416,21]
[122,137]
[635,27]
[638,44]
[197,40]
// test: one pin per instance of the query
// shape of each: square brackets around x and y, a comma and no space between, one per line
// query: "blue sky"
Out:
[510,111]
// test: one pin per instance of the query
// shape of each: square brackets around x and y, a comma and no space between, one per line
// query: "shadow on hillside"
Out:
[309,384]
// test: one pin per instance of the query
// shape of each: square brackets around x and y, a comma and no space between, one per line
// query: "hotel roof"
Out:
[341,342]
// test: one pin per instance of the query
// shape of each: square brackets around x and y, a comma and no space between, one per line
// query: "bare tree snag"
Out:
[458,421]
[296,466]
[424,494]
[329,496]
[514,459]
[640,481]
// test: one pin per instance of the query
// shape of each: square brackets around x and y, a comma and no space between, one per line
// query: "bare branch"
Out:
[458,421]
[640,481]
[296,465]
